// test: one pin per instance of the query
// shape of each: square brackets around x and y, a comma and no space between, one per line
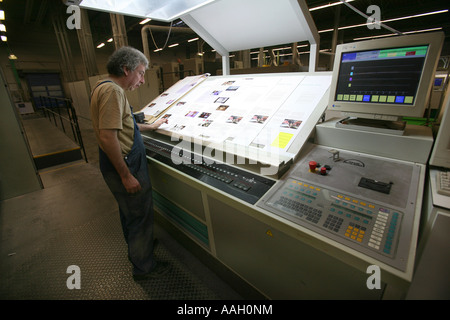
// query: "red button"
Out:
[312,166]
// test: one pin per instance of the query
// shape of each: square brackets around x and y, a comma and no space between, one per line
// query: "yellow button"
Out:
[371,206]
[339,196]
[363,203]
[355,201]
[359,240]
[347,235]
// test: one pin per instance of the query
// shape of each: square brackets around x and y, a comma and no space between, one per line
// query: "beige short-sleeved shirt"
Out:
[110,110]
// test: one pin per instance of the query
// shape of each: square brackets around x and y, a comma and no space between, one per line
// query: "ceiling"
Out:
[37,14]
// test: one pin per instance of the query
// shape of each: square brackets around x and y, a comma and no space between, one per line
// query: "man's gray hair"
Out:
[127,57]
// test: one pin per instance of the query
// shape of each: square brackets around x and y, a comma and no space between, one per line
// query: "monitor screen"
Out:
[385,77]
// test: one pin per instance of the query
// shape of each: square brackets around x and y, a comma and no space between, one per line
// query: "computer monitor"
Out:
[385,79]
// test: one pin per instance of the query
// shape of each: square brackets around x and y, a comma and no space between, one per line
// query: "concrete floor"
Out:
[74,221]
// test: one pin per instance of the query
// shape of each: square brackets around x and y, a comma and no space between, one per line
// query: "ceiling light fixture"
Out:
[390,34]
[389,20]
[145,21]
[329,5]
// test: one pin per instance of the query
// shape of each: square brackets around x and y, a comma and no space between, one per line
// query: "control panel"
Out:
[366,203]
[354,219]
[239,183]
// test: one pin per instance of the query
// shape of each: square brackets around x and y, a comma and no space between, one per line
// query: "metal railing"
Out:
[61,110]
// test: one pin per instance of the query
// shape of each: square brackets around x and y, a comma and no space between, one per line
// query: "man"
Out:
[122,157]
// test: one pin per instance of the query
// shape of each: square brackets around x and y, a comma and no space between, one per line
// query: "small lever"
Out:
[335,154]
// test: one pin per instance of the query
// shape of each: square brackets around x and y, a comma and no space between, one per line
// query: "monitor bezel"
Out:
[385,110]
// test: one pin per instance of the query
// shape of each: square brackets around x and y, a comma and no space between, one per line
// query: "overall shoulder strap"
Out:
[99,85]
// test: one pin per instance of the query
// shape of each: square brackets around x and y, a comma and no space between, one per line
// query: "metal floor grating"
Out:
[74,222]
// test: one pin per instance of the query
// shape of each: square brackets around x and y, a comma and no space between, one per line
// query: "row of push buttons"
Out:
[380,227]
[211,174]
[355,204]
[349,215]
[297,196]
[303,187]
[303,191]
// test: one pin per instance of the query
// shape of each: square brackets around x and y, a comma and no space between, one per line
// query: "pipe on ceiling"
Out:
[159,28]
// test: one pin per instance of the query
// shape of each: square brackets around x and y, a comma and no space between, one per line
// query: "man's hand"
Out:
[131,184]
[155,125]
[110,145]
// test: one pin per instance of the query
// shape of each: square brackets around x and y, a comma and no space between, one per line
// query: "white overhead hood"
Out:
[161,10]
[227,25]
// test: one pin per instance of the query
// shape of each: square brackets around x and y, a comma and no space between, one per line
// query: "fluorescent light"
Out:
[110,40]
[2,15]
[329,5]
[145,21]
[101,45]
[326,30]
[191,40]
[156,50]
[416,15]
[391,34]
[174,45]
[2,28]
[389,20]
[424,30]
[4,38]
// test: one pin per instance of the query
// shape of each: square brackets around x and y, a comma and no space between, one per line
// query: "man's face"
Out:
[135,78]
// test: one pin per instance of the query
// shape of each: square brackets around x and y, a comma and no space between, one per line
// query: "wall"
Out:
[18,174]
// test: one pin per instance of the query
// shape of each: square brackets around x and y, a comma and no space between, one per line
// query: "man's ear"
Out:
[125,71]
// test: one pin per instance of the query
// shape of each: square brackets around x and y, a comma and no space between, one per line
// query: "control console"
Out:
[354,219]
[239,183]
[366,203]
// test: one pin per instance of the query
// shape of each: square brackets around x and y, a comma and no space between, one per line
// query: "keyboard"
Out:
[443,182]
